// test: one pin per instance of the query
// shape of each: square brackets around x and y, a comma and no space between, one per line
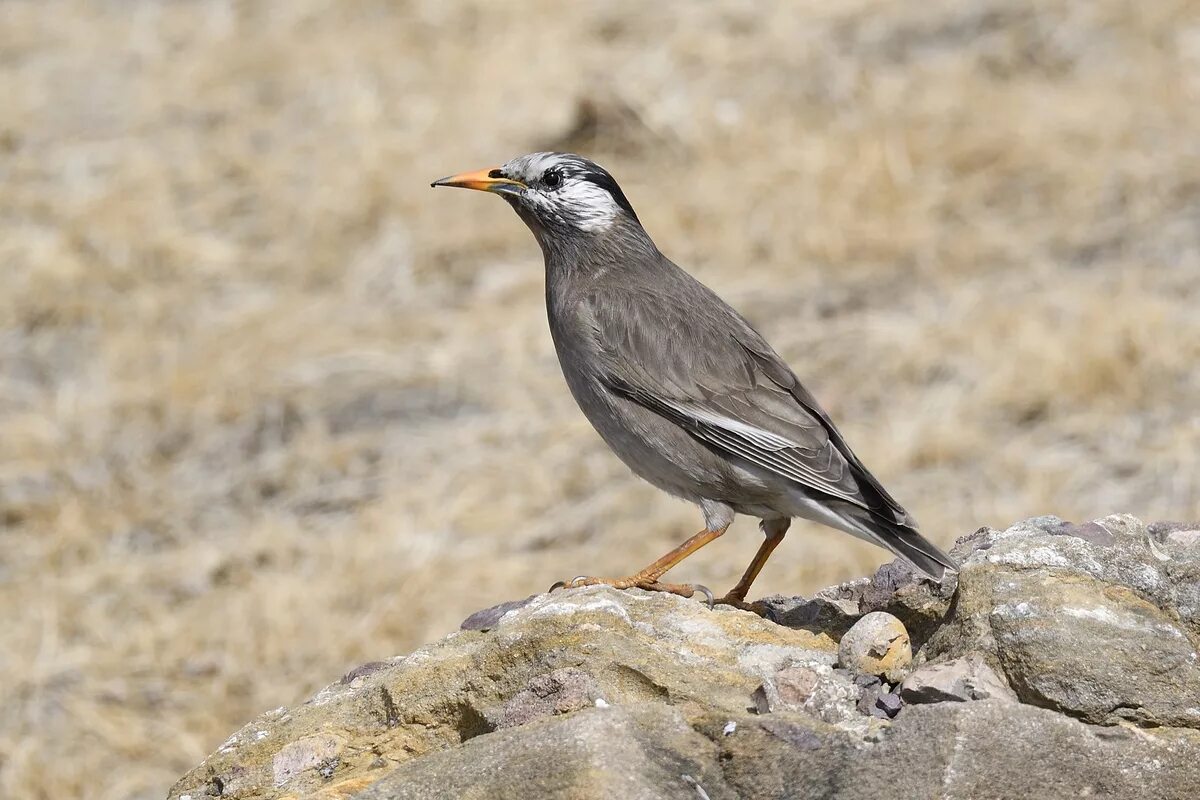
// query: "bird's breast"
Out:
[653,447]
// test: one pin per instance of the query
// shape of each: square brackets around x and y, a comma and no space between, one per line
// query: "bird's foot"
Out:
[757,607]
[639,582]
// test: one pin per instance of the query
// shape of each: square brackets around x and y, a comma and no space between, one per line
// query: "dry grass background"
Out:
[270,407]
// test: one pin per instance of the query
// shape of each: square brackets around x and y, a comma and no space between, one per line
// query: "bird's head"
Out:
[560,196]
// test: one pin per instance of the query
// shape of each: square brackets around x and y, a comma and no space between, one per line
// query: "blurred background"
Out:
[270,407]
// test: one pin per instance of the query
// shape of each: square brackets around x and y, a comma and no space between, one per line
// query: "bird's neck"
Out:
[583,259]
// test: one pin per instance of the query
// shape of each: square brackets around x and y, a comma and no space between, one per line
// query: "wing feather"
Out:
[822,469]
[720,381]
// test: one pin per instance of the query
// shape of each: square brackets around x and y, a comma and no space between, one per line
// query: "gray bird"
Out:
[680,385]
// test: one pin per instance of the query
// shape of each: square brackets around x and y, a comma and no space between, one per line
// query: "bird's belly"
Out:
[653,448]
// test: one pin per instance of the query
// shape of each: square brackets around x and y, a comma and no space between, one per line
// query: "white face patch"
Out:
[591,207]
[576,201]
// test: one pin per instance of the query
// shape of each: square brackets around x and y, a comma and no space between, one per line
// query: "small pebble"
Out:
[889,704]
[729,728]
[961,679]
[877,644]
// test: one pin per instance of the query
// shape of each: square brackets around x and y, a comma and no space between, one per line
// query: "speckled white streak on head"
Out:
[529,168]
[576,201]
[591,208]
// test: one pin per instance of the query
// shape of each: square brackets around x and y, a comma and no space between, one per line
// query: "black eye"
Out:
[552,178]
[496,173]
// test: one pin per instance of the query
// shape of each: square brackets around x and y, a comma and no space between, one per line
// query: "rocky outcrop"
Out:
[1062,664]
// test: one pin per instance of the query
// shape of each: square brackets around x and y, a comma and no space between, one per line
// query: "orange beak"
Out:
[484,180]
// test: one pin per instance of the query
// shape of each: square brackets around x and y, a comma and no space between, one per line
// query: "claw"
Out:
[571,584]
[708,595]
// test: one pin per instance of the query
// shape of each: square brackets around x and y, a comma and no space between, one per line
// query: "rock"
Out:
[991,751]
[831,611]
[876,645]
[489,618]
[557,692]
[888,705]
[919,603]
[818,690]
[1001,750]
[869,682]
[1180,539]
[1096,631]
[1163,530]
[871,692]
[910,596]
[559,653]
[614,752]
[1092,532]
[593,693]
[960,750]
[789,689]
[959,679]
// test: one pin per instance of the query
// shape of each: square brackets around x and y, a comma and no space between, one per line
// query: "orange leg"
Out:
[647,578]
[737,595]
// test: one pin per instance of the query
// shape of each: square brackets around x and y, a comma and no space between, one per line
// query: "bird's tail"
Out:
[902,539]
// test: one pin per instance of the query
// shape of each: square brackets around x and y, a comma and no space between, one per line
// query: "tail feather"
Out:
[903,540]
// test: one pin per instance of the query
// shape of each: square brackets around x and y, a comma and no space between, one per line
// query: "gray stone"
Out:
[489,618]
[830,615]
[959,679]
[868,681]
[1176,541]
[895,587]
[999,750]
[887,705]
[1162,530]
[1122,525]
[1092,532]
[818,690]
[1185,540]
[1095,631]
[871,688]
[910,596]
[982,751]
[309,753]
[798,736]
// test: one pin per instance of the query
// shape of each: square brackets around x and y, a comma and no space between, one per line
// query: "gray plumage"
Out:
[680,385]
